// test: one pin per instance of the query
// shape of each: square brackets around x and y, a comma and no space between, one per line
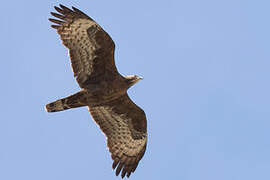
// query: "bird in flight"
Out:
[103,88]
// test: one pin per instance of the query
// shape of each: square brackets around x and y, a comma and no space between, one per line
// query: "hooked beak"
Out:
[137,79]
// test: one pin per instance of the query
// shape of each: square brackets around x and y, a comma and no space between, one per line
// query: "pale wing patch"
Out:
[82,49]
[118,131]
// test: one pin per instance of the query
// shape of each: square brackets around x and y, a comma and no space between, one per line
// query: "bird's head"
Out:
[132,79]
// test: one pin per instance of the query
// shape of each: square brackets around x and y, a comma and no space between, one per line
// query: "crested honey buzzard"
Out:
[103,89]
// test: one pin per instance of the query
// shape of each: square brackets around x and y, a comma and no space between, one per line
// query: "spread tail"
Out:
[73,101]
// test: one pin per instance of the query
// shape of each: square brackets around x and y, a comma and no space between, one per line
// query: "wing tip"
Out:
[55,26]
[71,12]
[124,166]
[58,9]
[119,168]
[56,21]
[64,7]
[115,163]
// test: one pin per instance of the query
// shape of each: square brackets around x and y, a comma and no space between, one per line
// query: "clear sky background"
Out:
[205,91]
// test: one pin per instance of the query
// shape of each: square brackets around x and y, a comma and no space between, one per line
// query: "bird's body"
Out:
[103,89]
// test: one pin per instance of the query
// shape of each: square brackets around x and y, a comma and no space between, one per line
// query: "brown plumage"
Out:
[103,89]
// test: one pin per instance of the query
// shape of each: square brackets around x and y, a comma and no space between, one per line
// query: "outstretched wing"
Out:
[124,124]
[91,49]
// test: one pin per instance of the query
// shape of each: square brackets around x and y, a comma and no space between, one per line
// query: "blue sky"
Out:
[205,90]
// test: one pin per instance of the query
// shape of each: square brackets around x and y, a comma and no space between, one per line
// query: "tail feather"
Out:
[58,105]
[72,101]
